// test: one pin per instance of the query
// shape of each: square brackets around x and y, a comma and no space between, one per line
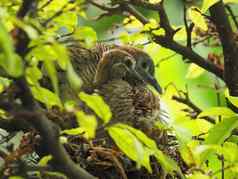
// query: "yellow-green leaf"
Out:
[44,160]
[87,123]
[197,18]
[217,111]
[97,104]
[207,4]
[194,71]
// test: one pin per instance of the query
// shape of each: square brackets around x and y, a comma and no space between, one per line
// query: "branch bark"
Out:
[229,45]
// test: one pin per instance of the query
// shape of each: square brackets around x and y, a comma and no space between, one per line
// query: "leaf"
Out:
[140,135]
[221,131]
[197,18]
[73,78]
[44,160]
[199,176]
[207,4]
[154,1]
[129,144]
[194,71]
[230,1]
[87,34]
[74,131]
[149,148]
[46,96]
[51,70]
[88,123]
[167,163]
[33,74]
[11,62]
[217,111]
[97,104]
[232,99]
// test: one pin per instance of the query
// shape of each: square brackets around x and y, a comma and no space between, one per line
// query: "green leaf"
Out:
[230,1]
[44,160]
[4,83]
[207,4]
[88,123]
[74,131]
[197,18]
[199,176]
[140,135]
[167,163]
[11,62]
[46,96]
[87,34]
[232,99]
[194,71]
[221,131]
[129,144]
[51,70]
[217,111]
[73,78]
[97,104]
[63,57]
[33,74]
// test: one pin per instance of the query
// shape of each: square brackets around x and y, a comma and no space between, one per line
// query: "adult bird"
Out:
[85,63]
[129,102]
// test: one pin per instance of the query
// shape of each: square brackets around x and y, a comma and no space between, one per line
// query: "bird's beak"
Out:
[153,82]
[149,79]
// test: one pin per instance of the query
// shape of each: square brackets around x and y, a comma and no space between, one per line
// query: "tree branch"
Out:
[229,45]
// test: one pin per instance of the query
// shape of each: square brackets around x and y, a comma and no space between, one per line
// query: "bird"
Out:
[85,62]
[127,95]
[131,103]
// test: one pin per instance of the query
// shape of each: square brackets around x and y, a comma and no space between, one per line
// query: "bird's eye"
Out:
[145,66]
[128,62]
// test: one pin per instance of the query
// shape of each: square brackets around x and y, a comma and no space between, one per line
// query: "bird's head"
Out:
[116,64]
[144,66]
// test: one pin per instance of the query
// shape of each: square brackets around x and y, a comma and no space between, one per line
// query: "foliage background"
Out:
[200,87]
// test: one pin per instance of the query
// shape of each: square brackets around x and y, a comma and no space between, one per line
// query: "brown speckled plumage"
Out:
[129,99]
[132,104]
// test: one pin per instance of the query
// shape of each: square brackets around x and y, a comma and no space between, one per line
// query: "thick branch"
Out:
[168,42]
[189,54]
[229,45]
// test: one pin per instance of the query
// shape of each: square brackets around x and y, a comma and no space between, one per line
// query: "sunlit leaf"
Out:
[199,176]
[97,104]
[33,74]
[194,71]
[44,160]
[74,131]
[128,143]
[87,34]
[87,123]
[221,131]
[46,96]
[140,135]
[73,78]
[232,99]
[207,4]
[52,73]
[230,1]
[197,18]
[217,111]
[11,62]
